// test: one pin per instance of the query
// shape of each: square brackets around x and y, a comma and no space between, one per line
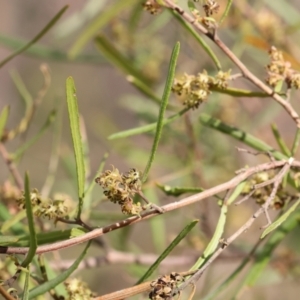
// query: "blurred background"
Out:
[189,154]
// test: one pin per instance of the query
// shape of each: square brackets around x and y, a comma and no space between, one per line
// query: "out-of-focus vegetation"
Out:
[131,94]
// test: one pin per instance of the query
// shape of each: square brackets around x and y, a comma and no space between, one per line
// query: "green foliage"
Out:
[239,94]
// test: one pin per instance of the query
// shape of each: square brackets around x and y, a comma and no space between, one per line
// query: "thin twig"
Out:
[151,213]
[12,168]
[134,290]
[5,294]
[244,70]
[244,228]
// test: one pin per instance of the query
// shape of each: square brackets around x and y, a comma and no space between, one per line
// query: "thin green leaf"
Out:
[280,220]
[215,240]
[59,289]
[240,93]
[43,52]
[76,137]
[26,286]
[75,232]
[87,196]
[113,55]
[178,191]
[14,220]
[168,250]
[212,295]
[22,89]
[94,27]
[21,150]
[55,153]
[5,215]
[198,38]
[240,135]
[45,287]
[226,11]
[8,240]
[146,128]
[143,88]
[156,224]
[263,257]
[236,193]
[42,238]
[36,38]
[30,219]
[3,119]
[282,145]
[296,142]
[164,103]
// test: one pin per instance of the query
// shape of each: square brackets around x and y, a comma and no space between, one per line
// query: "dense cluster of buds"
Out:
[280,70]
[163,287]
[152,6]
[196,89]
[120,188]
[47,208]
[78,289]
[262,194]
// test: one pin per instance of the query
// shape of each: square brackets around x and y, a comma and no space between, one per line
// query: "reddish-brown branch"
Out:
[244,70]
[149,214]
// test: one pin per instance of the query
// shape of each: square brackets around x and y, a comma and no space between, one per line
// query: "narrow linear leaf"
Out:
[41,51]
[240,93]
[168,250]
[22,89]
[226,11]
[26,286]
[178,191]
[281,143]
[156,224]
[88,194]
[145,128]
[30,219]
[21,150]
[112,54]
[55,153]
[296,142]
[263,257]
[8,240]
[36,38]
[240,135]
[280,220]
[42,238]
[5,215]
[164,103]
[76,137]
[3,119]
[93,28]
[143,88]
[45,287]
[214,242]
[198,38]
[14,220]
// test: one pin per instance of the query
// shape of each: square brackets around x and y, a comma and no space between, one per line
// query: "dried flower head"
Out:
[280,71]
[78,290]
[152,6]
[211,7]
[48,208]
[121,188]
[262,194]
[162,287]
[196,89]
